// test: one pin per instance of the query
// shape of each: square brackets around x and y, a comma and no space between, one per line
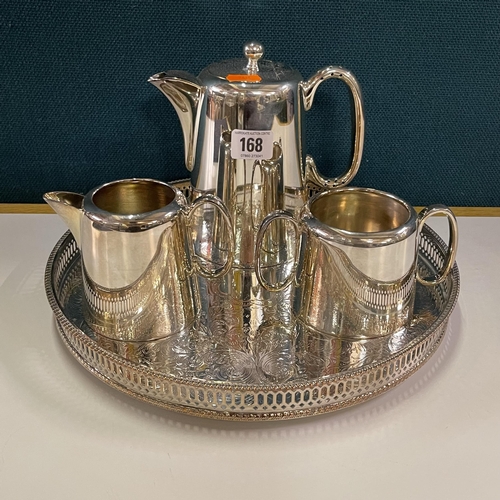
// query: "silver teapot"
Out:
[242,121]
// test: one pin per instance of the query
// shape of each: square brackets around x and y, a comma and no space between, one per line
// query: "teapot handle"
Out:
[314,180]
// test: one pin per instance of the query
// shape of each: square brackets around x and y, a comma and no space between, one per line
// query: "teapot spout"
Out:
[184,91]
[69,207]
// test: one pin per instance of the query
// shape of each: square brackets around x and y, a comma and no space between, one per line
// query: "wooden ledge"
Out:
[40,208]
[473,211]
[25,208]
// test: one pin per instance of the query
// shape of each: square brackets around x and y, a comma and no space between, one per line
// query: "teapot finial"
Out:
[253,52]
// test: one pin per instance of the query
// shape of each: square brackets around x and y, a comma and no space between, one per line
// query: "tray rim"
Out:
[250,416]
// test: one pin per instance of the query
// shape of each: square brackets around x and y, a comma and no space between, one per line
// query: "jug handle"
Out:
[452,246]
[287,216]
[314,180]
[217,203]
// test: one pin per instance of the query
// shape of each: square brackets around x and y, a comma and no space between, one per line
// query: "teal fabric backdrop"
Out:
[76,110]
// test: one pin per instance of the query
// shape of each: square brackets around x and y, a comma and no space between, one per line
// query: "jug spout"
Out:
[69,207]
[184,91]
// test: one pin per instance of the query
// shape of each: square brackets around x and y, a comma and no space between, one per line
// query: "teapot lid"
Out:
[251,70]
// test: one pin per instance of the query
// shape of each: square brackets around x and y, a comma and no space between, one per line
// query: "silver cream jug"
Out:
[138,261]
[242,121]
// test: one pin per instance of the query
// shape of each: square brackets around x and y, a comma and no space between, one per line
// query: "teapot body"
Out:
[249,153]
[253,118]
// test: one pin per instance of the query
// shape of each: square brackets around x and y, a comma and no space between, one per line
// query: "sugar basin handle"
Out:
[452,246]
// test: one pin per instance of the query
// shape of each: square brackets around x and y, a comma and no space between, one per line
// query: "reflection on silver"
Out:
[253,95]
[356,269]
[277,352]
[138,263]
[285,371]
[267,99]
[243,304]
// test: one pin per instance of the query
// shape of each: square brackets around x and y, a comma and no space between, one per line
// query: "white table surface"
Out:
[66,435]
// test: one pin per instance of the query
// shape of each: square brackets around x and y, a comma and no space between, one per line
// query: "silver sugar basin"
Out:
[281,371]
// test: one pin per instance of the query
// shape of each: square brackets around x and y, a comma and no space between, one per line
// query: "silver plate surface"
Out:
[282,372]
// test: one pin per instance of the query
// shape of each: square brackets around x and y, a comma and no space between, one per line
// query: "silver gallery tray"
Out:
[285,372]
